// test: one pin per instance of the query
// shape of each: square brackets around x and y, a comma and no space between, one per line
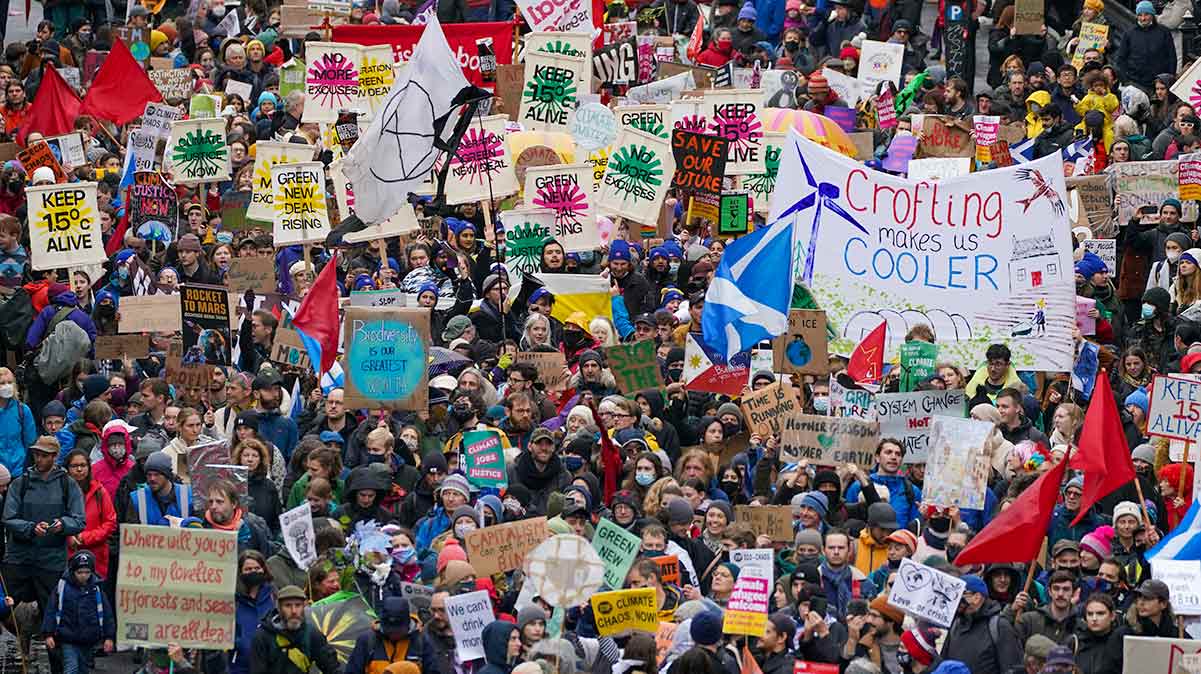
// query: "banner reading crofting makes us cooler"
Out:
[981,259]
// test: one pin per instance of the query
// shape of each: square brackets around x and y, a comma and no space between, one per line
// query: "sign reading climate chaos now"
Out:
[624,610]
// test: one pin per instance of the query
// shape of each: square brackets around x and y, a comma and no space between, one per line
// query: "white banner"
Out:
[980,259]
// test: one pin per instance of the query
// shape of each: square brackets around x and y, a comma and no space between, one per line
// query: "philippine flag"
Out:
[702,374]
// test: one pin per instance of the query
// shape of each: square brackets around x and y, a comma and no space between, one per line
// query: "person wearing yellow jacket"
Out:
[873,540]
[1099,98]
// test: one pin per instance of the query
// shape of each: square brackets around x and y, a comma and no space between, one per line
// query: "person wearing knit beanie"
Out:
[813,510]
[1095,547]
[920,643]
[705,628]
[451,551]
[531,623]
[818,87]
[891,613]
[1095,6]
[456,571]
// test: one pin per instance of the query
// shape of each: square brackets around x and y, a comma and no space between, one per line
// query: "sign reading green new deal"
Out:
[387,357]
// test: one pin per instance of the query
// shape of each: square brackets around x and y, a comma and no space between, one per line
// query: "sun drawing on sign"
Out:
[639,171]
[566,200]
[548,95]
[262,174]
[300,200]
[332,80]
[651,126]
[375,77]
[200,153]
[737,125]
[67,218]
[693,123]
[479,154]
[561,47]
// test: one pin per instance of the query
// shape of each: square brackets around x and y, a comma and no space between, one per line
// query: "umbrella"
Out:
[153,230]
[817,128]
[342,617]
[443,360]
[565,570]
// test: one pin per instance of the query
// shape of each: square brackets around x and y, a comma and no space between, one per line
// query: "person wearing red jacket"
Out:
[116,460]
[1176,500]
[720,51]
[100,515]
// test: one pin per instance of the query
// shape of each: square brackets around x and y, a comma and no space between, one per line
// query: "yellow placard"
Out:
[623,610]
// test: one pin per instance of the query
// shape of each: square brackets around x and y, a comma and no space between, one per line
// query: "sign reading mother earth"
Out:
[64,226]
[387,355]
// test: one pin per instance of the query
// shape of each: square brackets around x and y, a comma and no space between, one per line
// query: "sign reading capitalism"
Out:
[981,259]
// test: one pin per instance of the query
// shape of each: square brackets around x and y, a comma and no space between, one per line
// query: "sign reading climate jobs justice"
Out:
[64,229]
[301,215]
[387,351]
[176,586]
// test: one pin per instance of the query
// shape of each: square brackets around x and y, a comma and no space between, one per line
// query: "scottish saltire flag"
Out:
[1023,152]
[333,379]
[747,302]
[1183,542]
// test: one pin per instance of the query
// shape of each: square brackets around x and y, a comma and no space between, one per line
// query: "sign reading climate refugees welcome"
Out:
[982,259]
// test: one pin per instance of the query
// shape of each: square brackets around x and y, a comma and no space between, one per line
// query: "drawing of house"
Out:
[1034,263]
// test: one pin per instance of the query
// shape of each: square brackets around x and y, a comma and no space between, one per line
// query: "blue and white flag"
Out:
[1183,542]
[1023,152]
[332,379]
[747,302]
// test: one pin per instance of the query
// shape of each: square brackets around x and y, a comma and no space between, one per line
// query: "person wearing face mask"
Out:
[393,639]
[365,487]
[116,460]
[463,521]
[104,312]
[254,597]
[1163,272]
[12,187]
[18,429]
[1155,328]
[720,51]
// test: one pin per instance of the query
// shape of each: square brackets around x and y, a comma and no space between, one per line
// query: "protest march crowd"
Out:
[464,337]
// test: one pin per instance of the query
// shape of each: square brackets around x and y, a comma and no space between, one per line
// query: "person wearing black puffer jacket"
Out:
[1146,50]
[1097,644]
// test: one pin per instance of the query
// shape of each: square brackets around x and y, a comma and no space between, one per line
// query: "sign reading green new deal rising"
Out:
[1175,410]
[485,459]
[617,548]
[387,355]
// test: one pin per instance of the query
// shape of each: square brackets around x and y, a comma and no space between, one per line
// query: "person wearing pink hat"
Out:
[1095,547]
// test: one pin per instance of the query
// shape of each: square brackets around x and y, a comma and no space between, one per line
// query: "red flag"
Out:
[1016,535]
[696,42]
[317,318]
[54,109]
[749,665]
[121,89]
[1103,455]
[867,360]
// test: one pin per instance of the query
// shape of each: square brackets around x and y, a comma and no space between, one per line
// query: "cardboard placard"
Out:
[775,521]
[1096,201]
[503,547]
[510,79]
[702,77]
[188,375]
[635,366]
[552,368]
[386,359]
[288,349]
[926,593]
[616,63]
[173,581]
[829,441]
[149,313]
[296,525]
[803,349]
[1183,578]
[1028,16]
[122,346]
[251,273]
[766,408]
[175,84]
[946,137]
[38,154]
[1157,655]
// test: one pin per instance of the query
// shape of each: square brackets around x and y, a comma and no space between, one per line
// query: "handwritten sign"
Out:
[198,152]
[288,349]
[1028,17]
[1148,183]
[188,375]
[700,162]
[803,348]
[945,137]
[176,586]
[64,226]
[251,273]
[121,346]
[829,441]
[635,366]
[766,408]
[669,569]
[907,417]
[1175,410]
[1092,36]
[551,366]
[175,84]
[623,610]
[149,313]
[468,615]
[1097,203]
[1184,583]
[387,356]
[1157,655]
[926,593]
[153,207]
[775,521]
[38,154]
[503,547]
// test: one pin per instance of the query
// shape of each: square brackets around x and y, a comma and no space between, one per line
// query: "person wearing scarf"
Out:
[840,580]
[225,513]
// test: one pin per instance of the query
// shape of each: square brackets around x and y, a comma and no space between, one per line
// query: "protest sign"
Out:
[616,63]
[38,154]
[484,459]
[468,615]
[503,547]
[944,136]
[174,84]
[64,226]
[848,88]
[939,168]
[734,115]
[121,346]
[331,81]
[760,560]
[1157,655]
[69,149]
[141,150]
[919,361]
[634,366]
[251,273]
[986,128]
[665,89]
[1097,202]
[1187,87]
[734,213]
[1006,279]
[567,16]
[205,321]
[153,207]
[746,612]
[288,349]
[855,403]
[1028,17]
[267,154]
[526,232]
[176,586]
[806,667]
[956,464]
[482,168]
[900,153]
[242,90]
[204,106]
[926,593]
[803,348]
[551,91]
[616,32]
[617,548]
[187,375]
[566,190]
[301,215]
[388,297]
[1183,578]
[623,610]
[1189,177]
[766,408]
[886,113]
[774,521]
[1106,249]
[1092,36]
[762,185]
[907,417]
[779,88]
[828,441]
[880,62]
[637,176]
[149,313]
[386,359]
[1148,183]
[198,152]
[1175,410]
[593,126]
[700,162]
[652,119]
[669,568]
[552,368]
[376,76]
[296,525]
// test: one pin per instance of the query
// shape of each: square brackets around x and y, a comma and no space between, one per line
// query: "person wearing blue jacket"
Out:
[770,18]
[17,427]
[79,615]
[61,297]
[903,495]
[275,427]
[254,598]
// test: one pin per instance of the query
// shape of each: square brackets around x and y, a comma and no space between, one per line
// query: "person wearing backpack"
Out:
[79,616]
[43,509]
[17,427]
[59,337]
[63,306]
[980,636]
